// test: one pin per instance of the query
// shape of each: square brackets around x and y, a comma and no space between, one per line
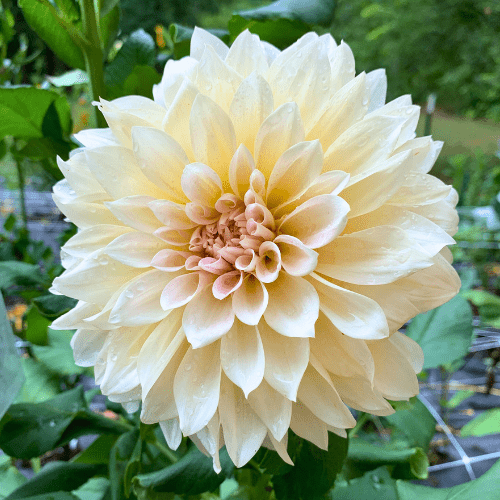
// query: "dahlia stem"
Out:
[362,419]
[93,55]
[167,452]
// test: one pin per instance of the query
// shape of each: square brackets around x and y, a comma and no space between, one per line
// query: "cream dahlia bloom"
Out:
[250,242]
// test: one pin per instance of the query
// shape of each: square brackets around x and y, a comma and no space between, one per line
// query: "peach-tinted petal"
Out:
[181,289]
[227,283]
[269,262]
[250,300]
[206,318]
[296,258]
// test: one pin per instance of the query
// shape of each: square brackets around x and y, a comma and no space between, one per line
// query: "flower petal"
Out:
[293,306]
[197,387]
[243,429]
[240,170]
[317,392]
[374,256]
[274,409]
[200,38]
[212,135]
[317,221]
[394,376]
[206,318]
[250,300]
[242,356]
[247,55]
[161,159]
[308,426]
[139,303]
[134,211]
[135,249]
[251,105]
[181,289]
[201,184]
[377,84]
[296,258]
[86,345]
[172,432]
[343,70]
[353,314]
[410,350]
[227,283]
[279,131]
[295,170]
[286,360]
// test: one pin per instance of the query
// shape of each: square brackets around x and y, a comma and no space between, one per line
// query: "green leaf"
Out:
[56,495]
[375,485]
[36,327]
[487,303]
[40,385]
[15,273]
[10,477]
[119,456]
[141,81]
[486,423]
[280,32]
[138,50]
[58,34]
[407,463]
[57,476]
[318,12]
[96,488]
[57,356]
[30,430]
[485,488]
[11,373]
[458,398]
[53,306]
[191,475]
[416,423]
[98,451]
[31,113]
[315,469]
[445,333]
[109,26]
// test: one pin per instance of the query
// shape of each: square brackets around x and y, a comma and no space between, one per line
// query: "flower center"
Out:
[239,239]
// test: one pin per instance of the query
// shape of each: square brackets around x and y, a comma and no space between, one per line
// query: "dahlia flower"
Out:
[250,242]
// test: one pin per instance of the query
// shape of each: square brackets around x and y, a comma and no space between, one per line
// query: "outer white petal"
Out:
[279,131]
[86,345]
[240,170]
[201,184]
[394,376]
[374,256]
[274,409]
[139,303]
[197,387]
[161,159]
[243,429]
[172,432]
[96,137]
[247,55]
[343,69]
[242,356]
[410,349]
[293,306]
[201,38]
[212,135]
[377,84]
[308,426]
[317,392]
[286,360]
[135,212]
[206,318]
[251,105]
[95,278]
[74,318]
[173,75]
[353,314]
[134,248]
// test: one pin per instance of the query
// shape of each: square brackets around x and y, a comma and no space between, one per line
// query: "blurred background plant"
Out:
[60,55]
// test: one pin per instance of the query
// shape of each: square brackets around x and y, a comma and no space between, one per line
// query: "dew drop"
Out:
[52,423]
[103,261]
[129,294]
